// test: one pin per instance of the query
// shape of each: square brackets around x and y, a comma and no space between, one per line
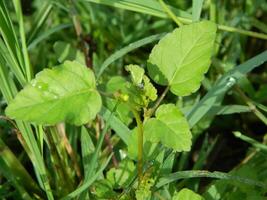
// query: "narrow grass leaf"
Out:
[117,125]
[196,9]
[16,171]
[87,182]
[221,86]
[147,7]
[120,53]
[206,174]
[47,34]
[228,110]
[39,21]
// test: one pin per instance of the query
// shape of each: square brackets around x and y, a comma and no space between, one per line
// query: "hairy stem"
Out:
[140,145]
[151,111]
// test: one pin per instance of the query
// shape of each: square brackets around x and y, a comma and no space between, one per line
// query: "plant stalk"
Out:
[151,111]
[140,142]
[252,107]
[170,13]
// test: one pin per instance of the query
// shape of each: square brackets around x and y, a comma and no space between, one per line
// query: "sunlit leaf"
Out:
[136,72]
[65,93]
[181,58]
[170,128]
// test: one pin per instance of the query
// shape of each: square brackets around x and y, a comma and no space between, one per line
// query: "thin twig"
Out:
[140,145]
[151,111]
[251,105]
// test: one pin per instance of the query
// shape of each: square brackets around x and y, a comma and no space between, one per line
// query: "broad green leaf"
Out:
[65,93]
[136,72]
[181,58]
[186,194]
[170,128]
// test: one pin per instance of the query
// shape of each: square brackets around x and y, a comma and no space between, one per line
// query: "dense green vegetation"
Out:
[133,99]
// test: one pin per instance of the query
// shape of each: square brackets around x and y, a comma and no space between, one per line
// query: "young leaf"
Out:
[186,194]
[170,128]
[182,57]
[136,72]
[150,90]
[64,93]
[141,91]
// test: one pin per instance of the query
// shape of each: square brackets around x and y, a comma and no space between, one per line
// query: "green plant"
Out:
[96,135]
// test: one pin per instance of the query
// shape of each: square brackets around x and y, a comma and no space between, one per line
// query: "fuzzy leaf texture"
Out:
[64,93]
[141,91]
[170,128]
[136,72]
[182,57]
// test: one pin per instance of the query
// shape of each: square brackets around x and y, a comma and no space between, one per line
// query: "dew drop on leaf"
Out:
[230,82]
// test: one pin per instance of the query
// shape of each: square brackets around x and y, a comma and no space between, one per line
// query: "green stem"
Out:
[140,145]
[213,10]
[241,31]
[251,105]
[170,13]
[151,111]
[231,29]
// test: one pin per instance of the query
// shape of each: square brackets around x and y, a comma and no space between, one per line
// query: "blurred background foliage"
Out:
[51,38]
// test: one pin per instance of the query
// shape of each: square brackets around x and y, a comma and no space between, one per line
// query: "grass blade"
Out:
[87,182]
[202,173]
[196,10]
[222,86]
[46,34]
[228,110]
[148,7]
[26,60]
[15,171]
[118,126]
[118,54]
[39,21]
[144,7]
